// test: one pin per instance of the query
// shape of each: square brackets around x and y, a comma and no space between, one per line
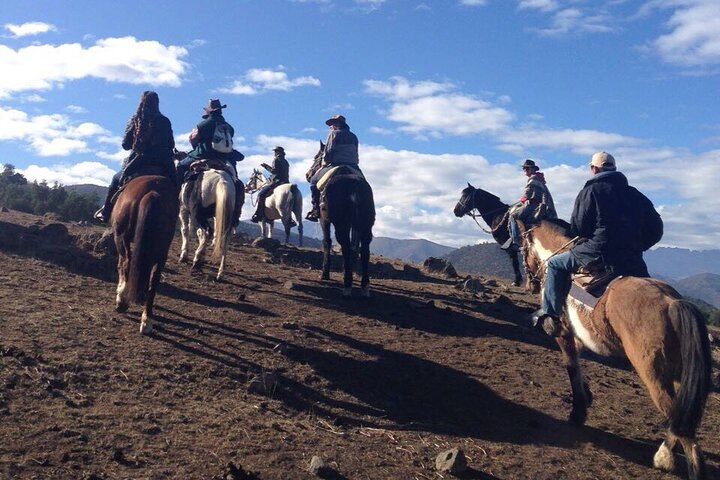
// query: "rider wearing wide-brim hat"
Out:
[201,139]
[341,148]
[279,175]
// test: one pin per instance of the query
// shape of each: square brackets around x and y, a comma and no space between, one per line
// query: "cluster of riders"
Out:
[612,224]
[149,137]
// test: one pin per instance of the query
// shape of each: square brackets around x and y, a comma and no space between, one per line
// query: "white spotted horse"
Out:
[284,202]
[210,196]
[495,214]
[663,336]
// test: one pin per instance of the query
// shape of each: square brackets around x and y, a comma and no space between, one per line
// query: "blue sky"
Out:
[439,93]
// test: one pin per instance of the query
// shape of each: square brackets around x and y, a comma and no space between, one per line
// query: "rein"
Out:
[543,263]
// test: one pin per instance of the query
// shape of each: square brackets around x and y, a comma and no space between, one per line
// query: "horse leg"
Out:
[300,229]
[512,252]
[270,225]
[342,236]
[695,458]
[185,232]
[146,326]
[121,303]
[199,257]
[286,223]
[221,268]
[327,245]
[364,265]
[581,395]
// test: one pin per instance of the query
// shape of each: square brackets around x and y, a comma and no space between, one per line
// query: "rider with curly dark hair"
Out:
[150,137]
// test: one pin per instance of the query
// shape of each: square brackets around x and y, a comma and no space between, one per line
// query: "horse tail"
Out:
[144,258]
[695,379]
[224,206]
[296,202]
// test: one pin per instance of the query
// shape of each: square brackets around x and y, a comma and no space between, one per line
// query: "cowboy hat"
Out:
[530,164]
[278,149]
[213,105]
[335,119]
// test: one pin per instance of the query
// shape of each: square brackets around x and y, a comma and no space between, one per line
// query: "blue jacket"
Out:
[202,141]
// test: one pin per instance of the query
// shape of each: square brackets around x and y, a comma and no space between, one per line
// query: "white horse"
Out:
[213,197]
[284,201]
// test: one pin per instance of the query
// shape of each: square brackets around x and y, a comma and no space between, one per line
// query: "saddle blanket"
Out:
[350,171]
[579,294]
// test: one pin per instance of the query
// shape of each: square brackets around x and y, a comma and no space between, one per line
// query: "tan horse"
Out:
[143,221]
[663,336]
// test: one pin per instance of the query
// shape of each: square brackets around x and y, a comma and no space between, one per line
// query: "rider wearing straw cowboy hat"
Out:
[615,223]
[341,148]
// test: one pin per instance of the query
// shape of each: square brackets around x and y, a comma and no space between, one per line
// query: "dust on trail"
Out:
[272,367]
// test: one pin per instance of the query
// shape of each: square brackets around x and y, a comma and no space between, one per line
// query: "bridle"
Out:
[539,275]
[254,189]
[470,212]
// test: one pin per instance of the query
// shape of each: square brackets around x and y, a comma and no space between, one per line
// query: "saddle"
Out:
[587,287]
[205,164]
[344,170]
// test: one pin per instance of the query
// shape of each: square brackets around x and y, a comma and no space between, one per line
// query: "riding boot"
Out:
[314,214]
[259,212]
[103,214]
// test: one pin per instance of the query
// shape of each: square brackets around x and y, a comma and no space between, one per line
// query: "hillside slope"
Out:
[271,367]
[410,250]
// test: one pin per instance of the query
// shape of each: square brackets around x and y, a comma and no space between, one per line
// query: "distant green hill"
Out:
[411,250]
[705,286]
[483,258]
[88,190]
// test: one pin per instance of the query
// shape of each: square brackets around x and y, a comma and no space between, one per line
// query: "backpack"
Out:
[222,138]
[649,222]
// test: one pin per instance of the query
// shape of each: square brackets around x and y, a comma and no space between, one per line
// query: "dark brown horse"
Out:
[663,336]
[495,214]
[143,221]
[349,207]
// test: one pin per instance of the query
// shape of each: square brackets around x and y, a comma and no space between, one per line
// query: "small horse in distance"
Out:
[664,337]
[347,204]
[211,195]
[495,214]
[284,202]
[143,221]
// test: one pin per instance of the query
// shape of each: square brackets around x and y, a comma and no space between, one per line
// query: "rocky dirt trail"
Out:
[252,377]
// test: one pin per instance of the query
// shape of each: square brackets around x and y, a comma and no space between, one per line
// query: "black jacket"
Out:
[202,142]
[612,218]
[159,149]
[280,171]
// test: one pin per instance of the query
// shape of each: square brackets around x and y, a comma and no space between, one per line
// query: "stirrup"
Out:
[312,216]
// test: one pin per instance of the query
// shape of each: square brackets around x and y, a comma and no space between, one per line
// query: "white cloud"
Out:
[259,80]
[75,109]
[695,37]
[29,28]
[70,174]
[430,108]
[47,135]
[34,98]
[125,60]
[473,3]
[576,21]
[542,5]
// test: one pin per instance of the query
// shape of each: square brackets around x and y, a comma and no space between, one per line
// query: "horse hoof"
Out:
[183,260]
[121,308]
[347,292]
[577,418]
[365,292]
[515,283]
[146,328]
[663,459]
[325,277]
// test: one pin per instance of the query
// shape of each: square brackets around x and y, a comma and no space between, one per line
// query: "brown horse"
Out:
[348,206]
[143,221]
[495,214]
[663,336]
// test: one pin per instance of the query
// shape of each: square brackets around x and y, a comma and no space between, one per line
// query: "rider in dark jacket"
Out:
[201,139]
[341,148]
[615,223]
[149,135]
[279,174]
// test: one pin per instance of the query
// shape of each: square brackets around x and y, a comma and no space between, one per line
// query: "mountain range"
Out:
[694,273]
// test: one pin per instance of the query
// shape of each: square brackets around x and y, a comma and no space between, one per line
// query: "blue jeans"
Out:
[557,282]
[514,230]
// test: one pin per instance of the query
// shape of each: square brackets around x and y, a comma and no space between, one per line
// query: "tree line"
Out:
[17,193]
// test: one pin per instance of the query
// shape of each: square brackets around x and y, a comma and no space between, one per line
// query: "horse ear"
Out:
[322,145]
[470,185]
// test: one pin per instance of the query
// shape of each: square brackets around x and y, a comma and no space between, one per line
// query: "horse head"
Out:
[255,182]
[465,204]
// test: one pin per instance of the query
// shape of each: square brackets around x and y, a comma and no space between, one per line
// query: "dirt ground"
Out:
[272,367]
